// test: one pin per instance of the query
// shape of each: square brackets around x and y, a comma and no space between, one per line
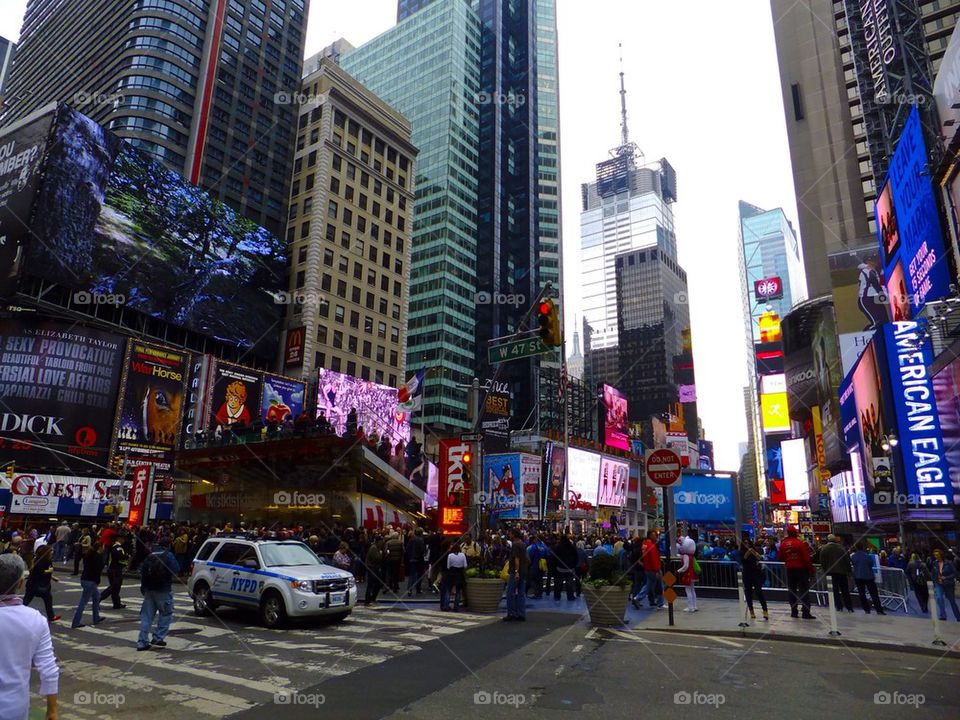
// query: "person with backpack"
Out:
[799,566]
[156,585]
[90,584]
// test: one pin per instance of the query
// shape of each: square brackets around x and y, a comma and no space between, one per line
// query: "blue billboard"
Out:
[705,499]
[503,494]
[924,465]
[908,227]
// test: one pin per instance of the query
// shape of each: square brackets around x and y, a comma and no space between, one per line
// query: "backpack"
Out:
[154,573]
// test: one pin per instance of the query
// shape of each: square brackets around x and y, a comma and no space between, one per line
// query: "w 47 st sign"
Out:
[516,349]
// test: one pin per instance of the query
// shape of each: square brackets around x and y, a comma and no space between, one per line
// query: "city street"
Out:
[417,662]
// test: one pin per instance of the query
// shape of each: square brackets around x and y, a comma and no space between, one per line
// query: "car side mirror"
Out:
[251,564]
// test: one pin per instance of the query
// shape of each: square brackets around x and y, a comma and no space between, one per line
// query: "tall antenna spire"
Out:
[624,134]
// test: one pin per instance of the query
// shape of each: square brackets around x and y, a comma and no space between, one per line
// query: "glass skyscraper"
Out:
[428,68]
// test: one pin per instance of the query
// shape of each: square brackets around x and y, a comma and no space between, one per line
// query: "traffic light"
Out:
[467,458]
[11,471]
[549,321]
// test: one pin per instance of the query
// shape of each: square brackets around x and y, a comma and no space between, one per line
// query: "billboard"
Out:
[495,416]
[282,398]
[58,394]
[776,383]
[615,433]
[235,397]
[704,499]
[870,420]
[848,499]
[908,224]
[453,497]
[924,467]
[502,485]
[829,375]
[151,404]
[375,405]
[109,221]
[530,476]
[773,413]
[38,494]
[946,390]
[583,476]
[294,347]
[198,392]
[557,463]
[796,483]
[859,300]
[768,289]
[705,448]
[614,477]
[769,357]
[21,159]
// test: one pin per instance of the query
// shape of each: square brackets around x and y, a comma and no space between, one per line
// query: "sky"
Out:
[703,91]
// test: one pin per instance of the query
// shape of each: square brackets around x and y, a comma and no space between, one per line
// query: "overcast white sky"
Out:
[703,91]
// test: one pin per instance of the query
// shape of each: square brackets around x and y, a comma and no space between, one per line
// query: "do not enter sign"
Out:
[663,467]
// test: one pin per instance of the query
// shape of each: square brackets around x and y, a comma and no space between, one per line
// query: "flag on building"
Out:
[410,395]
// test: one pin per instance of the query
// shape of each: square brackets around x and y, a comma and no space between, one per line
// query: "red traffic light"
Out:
[544,308]
[467,457]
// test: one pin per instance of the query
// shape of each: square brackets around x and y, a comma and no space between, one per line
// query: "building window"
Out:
[327,256]
[366,349]
[357,270]
[382,330]
[305,229]
[322,334]
[352,343]
[335,364]
[326,281]
[338,339]
[378,377]
[797,102]
[302,255]
[321,360]
[394,334]
[354,319]
[341,288]
[355,294]
[394,358]
[339,313]
[351,368]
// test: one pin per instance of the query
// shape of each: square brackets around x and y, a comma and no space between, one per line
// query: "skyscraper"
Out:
[428,68]
[349,230]
[208,87]
[7,49]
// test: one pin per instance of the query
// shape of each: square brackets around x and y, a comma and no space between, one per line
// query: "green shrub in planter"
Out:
[605,570]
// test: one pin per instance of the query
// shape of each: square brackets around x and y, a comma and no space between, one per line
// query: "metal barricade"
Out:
[894,588]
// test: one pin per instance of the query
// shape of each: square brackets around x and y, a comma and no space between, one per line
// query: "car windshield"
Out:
[280,554]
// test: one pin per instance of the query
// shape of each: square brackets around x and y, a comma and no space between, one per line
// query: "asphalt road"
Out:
[421,663]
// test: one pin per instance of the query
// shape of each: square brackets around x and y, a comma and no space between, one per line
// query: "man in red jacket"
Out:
[652,568]
[796,558]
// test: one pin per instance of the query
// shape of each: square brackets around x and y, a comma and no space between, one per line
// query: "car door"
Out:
[234,574]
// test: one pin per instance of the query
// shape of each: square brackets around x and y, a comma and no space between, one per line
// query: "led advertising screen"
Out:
[502,489]
[615,432]
[614,476]
[282,399]
[198,392]
[235,400]
[796,483]
[558,459]
[375,405]
[897,294]
[870,420]
[704,499]
[453,486]
[769,357]
[773,384]
[530,476]
[946,389]
[848,499]
[21,159]
[111,223]
[583,477]
[924,466]
[773,413]
[58,384]
[768,289]
[908,225]
[151,404]
[859,300]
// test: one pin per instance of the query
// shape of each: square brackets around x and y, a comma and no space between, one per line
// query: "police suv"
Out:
[280,578]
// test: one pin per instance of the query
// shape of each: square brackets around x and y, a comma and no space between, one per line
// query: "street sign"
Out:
[516,349]
[663,467]
[471,437]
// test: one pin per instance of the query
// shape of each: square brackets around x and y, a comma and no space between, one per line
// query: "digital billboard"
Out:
[22,147]
[908,224]
[282,399]
[946,390]
[614,477]
[495,416]
[583,476]
[924,466]
[109,221]
[530,477]
[776,383]
[859,300]
[796,483]
[151,404]
[235,398]
[769,357]
[704,499]
[502,488]
[773,413]
[848,499]
[58,394]
[375,405]
[200,377]
[768,289]
[870,419]
[557,462]
[453,496]
[615,432]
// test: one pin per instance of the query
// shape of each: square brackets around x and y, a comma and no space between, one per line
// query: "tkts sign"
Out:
[768,289]
[454,490]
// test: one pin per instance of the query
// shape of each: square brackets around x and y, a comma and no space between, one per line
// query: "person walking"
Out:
[918,575]
[61,537]
[393,559]
[795,555]
[517,580]
[39,582]
[862,563]
[750,562]
[566,563]
[416,551]
[944,585]
[652,569]
[835,562]
[90,585]
[116,557]
[456,580]
[156,585]
[83,544]
[180,544]
[25,643]
[374,571]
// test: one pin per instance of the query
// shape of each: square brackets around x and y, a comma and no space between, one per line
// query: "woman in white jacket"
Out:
[24,642]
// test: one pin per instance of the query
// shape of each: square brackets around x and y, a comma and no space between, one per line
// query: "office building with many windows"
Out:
[208,87]
[349,229]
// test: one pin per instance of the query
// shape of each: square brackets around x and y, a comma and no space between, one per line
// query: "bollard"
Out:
[932,604]
[743,600]
[834,632]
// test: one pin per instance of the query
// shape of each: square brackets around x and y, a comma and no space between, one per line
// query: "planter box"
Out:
[608,605]
[483,594]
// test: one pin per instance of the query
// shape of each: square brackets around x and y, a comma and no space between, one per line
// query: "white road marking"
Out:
[725,641]
[577,648]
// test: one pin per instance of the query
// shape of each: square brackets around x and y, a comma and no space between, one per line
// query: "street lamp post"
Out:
[888,443]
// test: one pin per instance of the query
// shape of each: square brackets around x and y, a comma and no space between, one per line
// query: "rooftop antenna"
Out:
[626,148]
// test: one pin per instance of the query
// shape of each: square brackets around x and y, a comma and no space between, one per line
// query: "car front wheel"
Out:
[203,603]
[273,612]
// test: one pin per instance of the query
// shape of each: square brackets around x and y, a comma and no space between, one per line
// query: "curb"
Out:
[807,640]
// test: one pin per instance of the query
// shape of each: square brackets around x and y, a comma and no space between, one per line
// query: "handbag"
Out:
[696,567]
[505,571]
